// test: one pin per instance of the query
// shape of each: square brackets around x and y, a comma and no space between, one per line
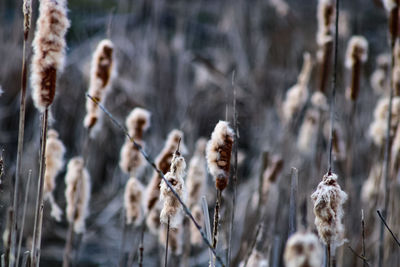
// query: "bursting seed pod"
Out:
[171,211]
[137,122]
[303,249]
[48,51]
[356,55]
[197,173]
[219,150]
[54,159]
[77,193]
[328,209]
[101,73]
[133,201]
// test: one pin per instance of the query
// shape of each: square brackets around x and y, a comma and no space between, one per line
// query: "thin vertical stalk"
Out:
[235,168]
[141,245]
[7,235]
[123,241]
[207,225]
[293,202]
[37,229]
[216,219]
[26,261]
[166,245]
[21,131]
[363,239]
[328,255]
[68,245]
[28,182]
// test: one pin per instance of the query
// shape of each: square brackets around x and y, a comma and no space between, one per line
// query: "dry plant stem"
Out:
[253,244]
[235,167]
[216,219]
[141,244]
[7,252]
[293,203]
[26,261]
[166,245]
[37,229]
[359,256]
[123,241]
[328,255]
[20,145]
[333,99]
[386,161]
[325,64]
[265,158]
[387,227]
[68,245]
[207,225]
[152,164]
[363,238]
[276,251]
[23,217]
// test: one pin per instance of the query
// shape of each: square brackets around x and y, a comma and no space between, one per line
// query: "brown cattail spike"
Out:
[77,193]
[303,249]
[101,72]
[219,150]
[328,209]
[356,55]
[48,51]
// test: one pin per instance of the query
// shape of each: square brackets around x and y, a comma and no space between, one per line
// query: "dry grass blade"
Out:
[387,227]
[185,208]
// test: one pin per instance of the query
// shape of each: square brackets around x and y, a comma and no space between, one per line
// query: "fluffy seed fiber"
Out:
[101,72]
[77,193]
[303,249]
[219,150]
[197,173]
[133,200]
[328,209]
[48,51]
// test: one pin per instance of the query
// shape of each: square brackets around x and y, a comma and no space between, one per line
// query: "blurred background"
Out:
[178,60]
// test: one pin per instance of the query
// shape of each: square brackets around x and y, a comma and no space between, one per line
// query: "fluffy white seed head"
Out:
[172,208]
[102,71]
[378,80]
[218,153]
[357,50]
[256,259]
[131,158]
[48,51]
[328,209]
[197,173]
[325,18]
[133,201]
[389,4]
[303,249]
[77,193]
[318,100]
[306,140]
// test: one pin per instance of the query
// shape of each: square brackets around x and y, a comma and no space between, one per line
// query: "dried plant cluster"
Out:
[48,51]
[328,209]
[219,150]
[137,123]
[101,73]
[303,249]
[77,193]
[133,201]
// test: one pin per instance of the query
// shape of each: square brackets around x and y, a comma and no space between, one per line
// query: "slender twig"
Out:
[26,261]
[293,202]
[333,99]
[23,216]
[387,227]
[387,148]
[216,219]
[363,238]
[7,235]
[37,229]
[21,129]
[166,245]
[328,255]
[365,262]
[235,168]
[207,224]
[141,245]
[153,165]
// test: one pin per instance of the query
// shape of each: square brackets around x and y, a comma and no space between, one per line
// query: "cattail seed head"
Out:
[195,236]
[356,54]
[219,150]
[325,18]
[378,78]
[48,51]
[371,188]
[389,4]
[27,11]
[328,209]
[306,140]
[163,163]
[77,193]
[175,239]
[303,249]
[137,122]
[297,95]
[133,200]
[54,161]
[153,218]
[256,259]
[319,101]
[197,173]
[171,206]
[101,73]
